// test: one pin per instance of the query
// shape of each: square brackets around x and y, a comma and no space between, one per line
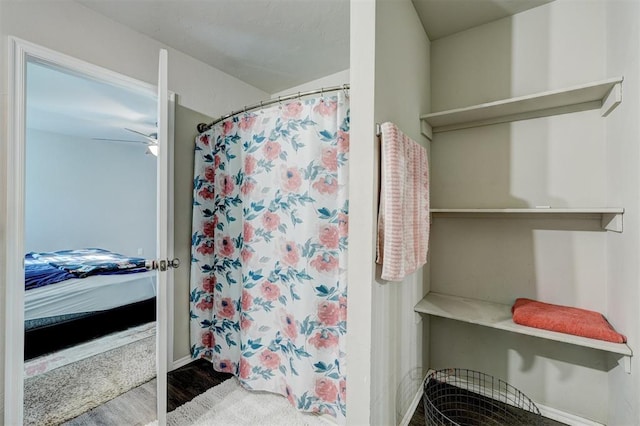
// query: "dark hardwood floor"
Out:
[189,381]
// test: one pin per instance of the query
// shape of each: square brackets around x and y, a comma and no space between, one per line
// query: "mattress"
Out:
[94,293]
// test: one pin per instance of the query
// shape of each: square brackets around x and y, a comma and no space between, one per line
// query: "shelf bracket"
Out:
[611,222]
[426,129]
[612,100]
[626,363]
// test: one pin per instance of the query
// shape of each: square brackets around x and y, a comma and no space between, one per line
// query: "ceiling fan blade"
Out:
[142,134]
[121,140]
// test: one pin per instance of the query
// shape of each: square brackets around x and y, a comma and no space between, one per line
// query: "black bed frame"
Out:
[51,338]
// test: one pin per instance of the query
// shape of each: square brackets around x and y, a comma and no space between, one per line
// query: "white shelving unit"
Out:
[610,218]
[497,315]
[606,95]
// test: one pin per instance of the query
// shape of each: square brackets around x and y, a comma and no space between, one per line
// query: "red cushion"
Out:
[564,319]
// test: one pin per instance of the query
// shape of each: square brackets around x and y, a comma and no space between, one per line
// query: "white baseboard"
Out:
[181,362]
[564,417]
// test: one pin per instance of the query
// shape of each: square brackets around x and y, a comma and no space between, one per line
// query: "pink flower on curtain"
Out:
[216,162]
[209,283]
[289,324]
[226,308]
[247,121]
[269,290]
[245,368]
[292,110]
[329,236]
[269,359]
[271,150]
[208,339]
[328,313]
[249,164]
[246,300]
[204,139]
[326,185]
[246,255]
[210,173]
[291,179]
[247,187]
[343,141]
[227,185]
[205,304]
[325,263]
[206,193]
[291,254]
[270,221]
[247,232]
[226,248]
[324,340]
[227,126]
[245,322]
[326,390]
[343,389]
[343,224]
[325,107]
[330,159]
[209,228]
[206,249]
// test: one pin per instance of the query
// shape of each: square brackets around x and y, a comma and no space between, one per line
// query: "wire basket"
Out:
[459,397]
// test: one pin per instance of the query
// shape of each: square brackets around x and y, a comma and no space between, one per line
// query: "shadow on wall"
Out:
[186,121]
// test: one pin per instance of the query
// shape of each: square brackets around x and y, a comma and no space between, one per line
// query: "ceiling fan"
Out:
[151,140]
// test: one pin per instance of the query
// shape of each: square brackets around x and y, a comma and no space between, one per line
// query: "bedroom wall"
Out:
[557,161]
[70,28]
[74,199]
[402,94]
[623,188]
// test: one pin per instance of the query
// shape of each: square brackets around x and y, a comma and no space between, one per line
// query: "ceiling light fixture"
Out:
[152,149]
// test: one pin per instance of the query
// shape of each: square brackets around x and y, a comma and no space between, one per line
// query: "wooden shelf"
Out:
[606,95]
[497,315]
[610,217]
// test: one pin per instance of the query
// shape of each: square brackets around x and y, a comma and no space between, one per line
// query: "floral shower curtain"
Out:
[269,250]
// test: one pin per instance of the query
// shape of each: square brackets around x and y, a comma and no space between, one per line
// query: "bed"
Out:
[73,296]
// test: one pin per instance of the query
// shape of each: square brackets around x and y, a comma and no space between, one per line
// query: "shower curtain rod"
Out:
[203,127]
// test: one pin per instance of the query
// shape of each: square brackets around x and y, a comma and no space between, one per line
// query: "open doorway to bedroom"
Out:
[90,220]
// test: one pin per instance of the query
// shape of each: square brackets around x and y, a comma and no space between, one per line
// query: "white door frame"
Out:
[19,51]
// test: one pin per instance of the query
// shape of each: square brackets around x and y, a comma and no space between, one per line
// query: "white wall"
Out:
[336,79]
[558,161]
[70,28]
[402,94]
[86,193]
[362,213]
[623,156]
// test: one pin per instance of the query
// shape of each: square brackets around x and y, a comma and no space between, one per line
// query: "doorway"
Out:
[28,60]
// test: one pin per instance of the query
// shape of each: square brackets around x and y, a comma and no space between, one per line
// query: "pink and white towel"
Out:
[403,219]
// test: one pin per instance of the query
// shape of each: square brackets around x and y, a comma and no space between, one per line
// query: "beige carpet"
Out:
[229,404]
[67,392]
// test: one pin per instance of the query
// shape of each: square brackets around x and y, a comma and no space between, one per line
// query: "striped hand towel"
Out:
[403,219]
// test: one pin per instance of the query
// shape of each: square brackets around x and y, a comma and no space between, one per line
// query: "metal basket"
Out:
[459,397]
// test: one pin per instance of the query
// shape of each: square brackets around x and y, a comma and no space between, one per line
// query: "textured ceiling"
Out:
[441,18]
[271,44]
